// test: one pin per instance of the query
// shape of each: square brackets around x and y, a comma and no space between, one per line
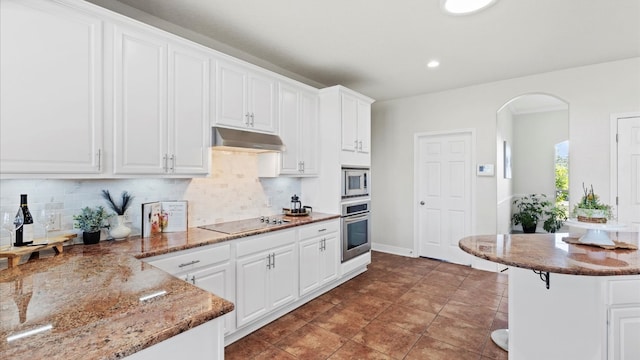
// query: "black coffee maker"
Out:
[296,205]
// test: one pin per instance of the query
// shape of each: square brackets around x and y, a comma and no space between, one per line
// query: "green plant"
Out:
[556,216]
[124,205]
[530,210]
[91,220]
[590,204]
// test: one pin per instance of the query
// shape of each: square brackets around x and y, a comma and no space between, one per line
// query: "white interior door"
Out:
[443,178]
[629,170]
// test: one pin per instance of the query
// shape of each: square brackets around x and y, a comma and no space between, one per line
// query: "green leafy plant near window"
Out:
[562,182]
[533,208]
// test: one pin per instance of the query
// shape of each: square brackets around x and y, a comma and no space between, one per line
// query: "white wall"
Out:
[504,132]
[592,92]
[533,151]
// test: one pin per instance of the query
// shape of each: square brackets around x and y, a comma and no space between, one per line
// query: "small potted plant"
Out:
[91,221]
[590,209]
[530,210]
[555,218]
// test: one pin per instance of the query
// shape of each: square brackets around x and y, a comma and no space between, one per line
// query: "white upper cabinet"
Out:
[50,89]
[246,99]
[298,124]
[161,104]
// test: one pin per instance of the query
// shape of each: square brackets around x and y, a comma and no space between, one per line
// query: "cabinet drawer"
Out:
[261,243]
[324,227]
[191,259]
[625,291]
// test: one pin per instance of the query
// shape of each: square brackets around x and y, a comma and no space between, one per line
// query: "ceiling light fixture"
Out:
[433,64]
[464,7]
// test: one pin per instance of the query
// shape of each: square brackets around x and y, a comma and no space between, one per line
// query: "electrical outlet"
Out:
[56,222]
[127,217]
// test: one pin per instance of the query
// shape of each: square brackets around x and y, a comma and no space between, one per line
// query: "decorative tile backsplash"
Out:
[232,191]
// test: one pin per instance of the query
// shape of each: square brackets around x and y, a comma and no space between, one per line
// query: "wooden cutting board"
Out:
[13,255]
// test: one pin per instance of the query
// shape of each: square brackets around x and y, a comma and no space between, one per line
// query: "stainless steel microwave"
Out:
[355,182]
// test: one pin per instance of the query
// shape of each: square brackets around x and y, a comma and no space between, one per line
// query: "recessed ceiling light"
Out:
[433,64]
[464,7]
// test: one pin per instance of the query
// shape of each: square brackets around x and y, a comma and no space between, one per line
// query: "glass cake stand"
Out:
[597,234]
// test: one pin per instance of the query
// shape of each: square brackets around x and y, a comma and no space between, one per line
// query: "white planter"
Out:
[592,215]
[120,231]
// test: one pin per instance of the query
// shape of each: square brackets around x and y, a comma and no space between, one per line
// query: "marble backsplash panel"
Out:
[232,191]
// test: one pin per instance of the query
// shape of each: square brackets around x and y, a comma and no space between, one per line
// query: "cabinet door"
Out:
[283,284]
[330,258]
[289,125]
[364,127]
[624,333]
[309,265]
[50,89]
[349,113]
[252,285]
[309,133]
[188,111]
[231,83]
[140,98]
[218,280]
[262,103]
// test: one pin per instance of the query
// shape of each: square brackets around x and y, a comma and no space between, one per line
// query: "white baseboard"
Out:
[395,250]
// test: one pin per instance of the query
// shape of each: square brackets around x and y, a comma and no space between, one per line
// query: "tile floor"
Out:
[401,308]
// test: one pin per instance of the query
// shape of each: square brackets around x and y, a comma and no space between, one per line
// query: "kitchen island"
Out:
[567,301]
[102,302]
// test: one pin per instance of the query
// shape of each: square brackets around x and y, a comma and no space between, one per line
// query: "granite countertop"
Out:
[549,252]
[90,296]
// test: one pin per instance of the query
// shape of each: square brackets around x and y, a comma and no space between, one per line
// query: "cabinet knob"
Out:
[421,202]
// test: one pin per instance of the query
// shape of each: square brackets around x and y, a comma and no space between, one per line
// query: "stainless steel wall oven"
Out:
[356,229]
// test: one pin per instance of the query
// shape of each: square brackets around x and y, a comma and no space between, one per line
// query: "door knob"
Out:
[421,202]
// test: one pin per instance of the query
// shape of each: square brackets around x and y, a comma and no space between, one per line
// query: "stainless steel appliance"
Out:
[356,229]
[355,182]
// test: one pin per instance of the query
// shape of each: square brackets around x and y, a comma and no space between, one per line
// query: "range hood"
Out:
[233,139]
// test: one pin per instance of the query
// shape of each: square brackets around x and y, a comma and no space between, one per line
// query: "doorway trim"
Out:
[416,162]
[613,153]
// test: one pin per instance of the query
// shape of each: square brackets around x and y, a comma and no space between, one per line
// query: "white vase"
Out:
[120,231]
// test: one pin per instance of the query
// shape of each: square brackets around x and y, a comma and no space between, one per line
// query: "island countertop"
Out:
[550,253]
[89,297]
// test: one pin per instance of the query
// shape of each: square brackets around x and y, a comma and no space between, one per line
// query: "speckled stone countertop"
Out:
[548,252]
[90,296]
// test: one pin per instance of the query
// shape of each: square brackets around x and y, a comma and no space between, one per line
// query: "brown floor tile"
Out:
[458,333]
[352,350]
[273,353]
[312,309]
[432,289]
[280,328]
[456,269]
[368,306]
[492,351]
[431,349]
[387,339]
[401,278]
[484,285]
[477,297]
[385,290]
[246,348]
[475,315]
[341,321]
[407,318]
[422,301]
[311,342]
[444,278]
[501,321]
[338,295]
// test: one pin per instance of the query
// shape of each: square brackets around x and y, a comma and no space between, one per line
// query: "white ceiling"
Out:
[380,47]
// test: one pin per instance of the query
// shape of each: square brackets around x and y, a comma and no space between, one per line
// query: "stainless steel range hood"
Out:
[223,138]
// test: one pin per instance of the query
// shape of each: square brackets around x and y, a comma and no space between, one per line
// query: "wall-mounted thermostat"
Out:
[485,170]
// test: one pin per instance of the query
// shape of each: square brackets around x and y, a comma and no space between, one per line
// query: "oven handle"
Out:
[354,218]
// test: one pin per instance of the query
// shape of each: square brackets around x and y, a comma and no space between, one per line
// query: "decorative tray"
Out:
[616,244]
[306,210]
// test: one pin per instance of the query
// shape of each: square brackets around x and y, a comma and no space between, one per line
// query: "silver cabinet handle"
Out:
[193,279]
[165,159]
[360,146]
[189,263]
[302,166]
[269,261]
[173,163]
[274,259]
[321,230]
[421,202]
[99,159]
[252,119]
[246,119]
[356,144]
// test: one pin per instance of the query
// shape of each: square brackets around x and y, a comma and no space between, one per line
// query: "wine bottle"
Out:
[24,235]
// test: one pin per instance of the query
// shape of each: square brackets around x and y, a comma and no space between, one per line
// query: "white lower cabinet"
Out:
[319,250]
[266,268]
[623,335]
[209,268]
